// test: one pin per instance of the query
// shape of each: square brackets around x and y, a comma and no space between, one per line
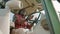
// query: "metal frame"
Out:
[51,16]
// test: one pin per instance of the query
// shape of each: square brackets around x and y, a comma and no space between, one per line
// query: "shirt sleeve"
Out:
[29,25]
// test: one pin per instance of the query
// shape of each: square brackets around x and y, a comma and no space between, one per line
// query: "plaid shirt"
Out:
[24,25]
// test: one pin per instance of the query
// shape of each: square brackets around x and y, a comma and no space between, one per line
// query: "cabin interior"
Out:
[34,8]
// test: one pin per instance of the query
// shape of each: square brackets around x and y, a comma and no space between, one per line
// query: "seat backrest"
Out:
[4,21]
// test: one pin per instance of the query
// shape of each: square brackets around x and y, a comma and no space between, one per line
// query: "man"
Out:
[21,23]
[14,5]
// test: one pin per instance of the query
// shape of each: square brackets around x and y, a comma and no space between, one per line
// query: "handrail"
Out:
[51,16]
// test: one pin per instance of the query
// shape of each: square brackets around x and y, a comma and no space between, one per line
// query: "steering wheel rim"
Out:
[34,19]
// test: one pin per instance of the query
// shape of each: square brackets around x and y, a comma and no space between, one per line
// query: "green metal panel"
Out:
[52,16]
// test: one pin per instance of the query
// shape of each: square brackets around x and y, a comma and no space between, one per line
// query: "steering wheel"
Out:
[35,19]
